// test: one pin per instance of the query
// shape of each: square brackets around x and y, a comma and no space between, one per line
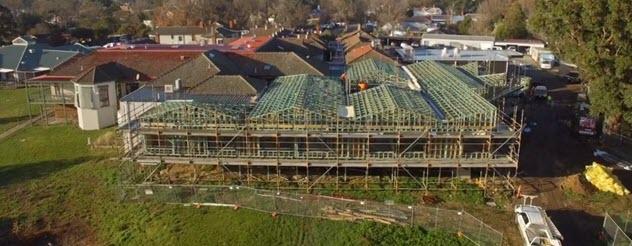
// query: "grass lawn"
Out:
[13,108]
[53,187]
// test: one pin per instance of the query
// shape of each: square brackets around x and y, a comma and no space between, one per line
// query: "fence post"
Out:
[627,221]
[436,217]
[614,238]
[460,213]
[412,215]
[480,229]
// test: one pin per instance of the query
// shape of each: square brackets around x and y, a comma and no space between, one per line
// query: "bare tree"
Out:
[345,10]
[489,13]
[389,12]
[291,12]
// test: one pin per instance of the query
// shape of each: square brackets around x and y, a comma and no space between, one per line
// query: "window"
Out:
[219,41]
[104,97]
[85,97]
[172,37]
[524,218]
[180,38]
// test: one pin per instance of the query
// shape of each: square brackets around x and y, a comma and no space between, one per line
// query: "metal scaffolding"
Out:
[296,135]
[52,97]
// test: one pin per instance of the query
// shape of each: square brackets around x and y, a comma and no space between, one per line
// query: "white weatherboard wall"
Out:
[478,44]
[90,113]
[184,39]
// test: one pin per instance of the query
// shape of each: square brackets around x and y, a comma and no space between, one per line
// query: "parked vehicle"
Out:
[540,92]
[536,228]
[546,64]
[586,124]
[625,165]
[572,77]
[545,58]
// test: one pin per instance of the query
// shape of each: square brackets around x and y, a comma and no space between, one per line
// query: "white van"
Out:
[546,64]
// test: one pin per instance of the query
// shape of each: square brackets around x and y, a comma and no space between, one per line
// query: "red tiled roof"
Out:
[150,63]
[164,47]
[247,44]
[365,50]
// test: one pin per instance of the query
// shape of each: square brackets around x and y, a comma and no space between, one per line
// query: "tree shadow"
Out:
[577,227]
[23,172]
[13,119]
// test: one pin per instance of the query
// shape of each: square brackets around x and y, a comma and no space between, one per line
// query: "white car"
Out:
[625,165]
[536,228]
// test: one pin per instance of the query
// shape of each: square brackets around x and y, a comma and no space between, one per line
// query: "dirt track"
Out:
[551,152]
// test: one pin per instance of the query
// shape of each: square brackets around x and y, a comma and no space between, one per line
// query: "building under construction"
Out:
[380,124]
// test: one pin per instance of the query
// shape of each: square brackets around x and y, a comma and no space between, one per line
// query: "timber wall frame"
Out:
[240,146]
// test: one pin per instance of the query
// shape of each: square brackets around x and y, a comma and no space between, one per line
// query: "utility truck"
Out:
[545,58]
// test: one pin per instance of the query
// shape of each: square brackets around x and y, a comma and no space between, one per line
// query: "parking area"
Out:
[552,151]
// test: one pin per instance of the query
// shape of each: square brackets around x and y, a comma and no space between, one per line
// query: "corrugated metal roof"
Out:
[35,56]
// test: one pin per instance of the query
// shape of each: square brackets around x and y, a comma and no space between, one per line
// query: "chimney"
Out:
[182,58]
[177,85]
[81,68]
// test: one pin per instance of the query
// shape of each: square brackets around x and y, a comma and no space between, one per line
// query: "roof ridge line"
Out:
[21,57]
[307,63]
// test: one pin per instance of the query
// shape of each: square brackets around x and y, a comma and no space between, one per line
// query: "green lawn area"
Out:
[13,108]
[54,187]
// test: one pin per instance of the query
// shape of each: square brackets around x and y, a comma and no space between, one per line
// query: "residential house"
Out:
[266,31]
[355,38]
[425,11]
[416,25]
[205,35]
[86,88]
[367,51]
[26,58]
[307,46]
[458,41]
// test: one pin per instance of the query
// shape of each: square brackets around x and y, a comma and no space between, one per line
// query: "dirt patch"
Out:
[576,184]
[71,233]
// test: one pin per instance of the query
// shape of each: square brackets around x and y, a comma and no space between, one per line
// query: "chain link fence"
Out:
[618,229]
[318,206]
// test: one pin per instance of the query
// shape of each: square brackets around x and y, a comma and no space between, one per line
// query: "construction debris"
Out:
[350,215]
[603,179]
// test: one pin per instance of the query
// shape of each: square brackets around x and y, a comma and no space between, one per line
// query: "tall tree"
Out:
[513,25]
[8,27]
[597,36]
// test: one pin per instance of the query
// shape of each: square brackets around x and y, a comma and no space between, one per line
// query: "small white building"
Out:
[458,41]
[211,35]
[96,98]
